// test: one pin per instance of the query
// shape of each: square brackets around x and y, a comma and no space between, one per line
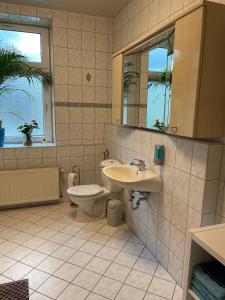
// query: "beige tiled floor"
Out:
[67,260]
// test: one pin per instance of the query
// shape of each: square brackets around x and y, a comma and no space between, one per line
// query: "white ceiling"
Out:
[104,8]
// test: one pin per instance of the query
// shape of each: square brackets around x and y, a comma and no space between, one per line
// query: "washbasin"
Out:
[131,178]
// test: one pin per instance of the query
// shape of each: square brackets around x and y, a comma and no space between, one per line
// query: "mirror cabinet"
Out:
[147,73]
[175,80]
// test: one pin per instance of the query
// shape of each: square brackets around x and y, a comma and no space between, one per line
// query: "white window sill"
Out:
[34,145]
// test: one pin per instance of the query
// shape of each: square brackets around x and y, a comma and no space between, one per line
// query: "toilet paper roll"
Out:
[73,179]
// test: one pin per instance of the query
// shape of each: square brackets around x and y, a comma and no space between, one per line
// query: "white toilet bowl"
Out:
[92,199]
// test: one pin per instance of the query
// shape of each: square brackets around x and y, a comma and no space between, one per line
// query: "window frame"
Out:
[45,64]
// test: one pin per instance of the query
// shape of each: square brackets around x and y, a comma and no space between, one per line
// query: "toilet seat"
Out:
[86,190]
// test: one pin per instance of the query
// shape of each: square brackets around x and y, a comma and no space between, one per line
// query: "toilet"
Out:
[92,199]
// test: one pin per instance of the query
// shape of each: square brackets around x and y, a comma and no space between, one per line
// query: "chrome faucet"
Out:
[141,164]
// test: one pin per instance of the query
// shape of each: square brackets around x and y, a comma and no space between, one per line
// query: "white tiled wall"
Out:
[139,16]
[193,175]
[81,45]
[190,185]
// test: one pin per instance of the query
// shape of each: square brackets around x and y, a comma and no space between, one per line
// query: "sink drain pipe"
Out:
[136,197]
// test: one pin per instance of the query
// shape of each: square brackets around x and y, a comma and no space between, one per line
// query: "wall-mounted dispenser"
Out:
[159,155]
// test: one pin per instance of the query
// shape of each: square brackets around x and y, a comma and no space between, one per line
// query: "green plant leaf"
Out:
[13,65]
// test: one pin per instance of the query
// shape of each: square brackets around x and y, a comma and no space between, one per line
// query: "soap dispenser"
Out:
[159,155]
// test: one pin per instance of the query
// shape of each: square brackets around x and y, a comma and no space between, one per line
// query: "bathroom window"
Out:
[27,102]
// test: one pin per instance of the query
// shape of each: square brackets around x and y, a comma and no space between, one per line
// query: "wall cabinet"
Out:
[198,85]
[197,108]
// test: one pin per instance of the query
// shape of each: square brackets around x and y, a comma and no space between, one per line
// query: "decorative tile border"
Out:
[142,105]
[81,104]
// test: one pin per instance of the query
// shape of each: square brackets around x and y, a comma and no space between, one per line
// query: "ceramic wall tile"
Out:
[175,268]
[165,205]
[60,37]
[181,186]
[199,160]
[60,18]
[214,162]
[28,10]
[179,214]
[61,92]
[164,9]
[88,23]
[184,155]
[177,242]
[74,39]
[74,21]
[196,193]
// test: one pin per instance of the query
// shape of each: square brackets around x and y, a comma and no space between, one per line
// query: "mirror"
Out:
[147,83]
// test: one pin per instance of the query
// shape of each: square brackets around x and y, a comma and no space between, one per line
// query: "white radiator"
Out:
[29,186]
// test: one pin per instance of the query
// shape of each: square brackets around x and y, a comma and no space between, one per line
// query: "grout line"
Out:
[149,284]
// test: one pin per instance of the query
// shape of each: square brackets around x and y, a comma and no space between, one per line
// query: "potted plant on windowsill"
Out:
[26,130]
[13,65]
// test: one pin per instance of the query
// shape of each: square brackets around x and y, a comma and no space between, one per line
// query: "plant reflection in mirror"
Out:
[130,77]
[156,79]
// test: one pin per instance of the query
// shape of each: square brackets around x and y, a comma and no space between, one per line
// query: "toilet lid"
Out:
[86,190]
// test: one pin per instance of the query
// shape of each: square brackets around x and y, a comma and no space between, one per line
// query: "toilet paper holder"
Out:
[76,169]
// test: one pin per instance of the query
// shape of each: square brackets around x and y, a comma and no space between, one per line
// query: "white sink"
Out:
[129,177]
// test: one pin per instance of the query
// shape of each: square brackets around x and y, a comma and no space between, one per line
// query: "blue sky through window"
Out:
[157,59]
[29,44]
[158,97]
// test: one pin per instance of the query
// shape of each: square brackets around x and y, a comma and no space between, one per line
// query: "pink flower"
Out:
[34,122]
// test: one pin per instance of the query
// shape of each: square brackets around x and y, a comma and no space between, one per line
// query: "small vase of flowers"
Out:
[27,129]
[160,125]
